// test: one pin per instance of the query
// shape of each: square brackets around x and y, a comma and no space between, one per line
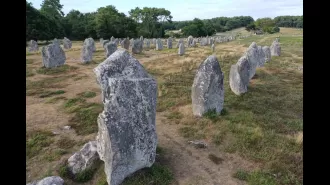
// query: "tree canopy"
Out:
[50,22]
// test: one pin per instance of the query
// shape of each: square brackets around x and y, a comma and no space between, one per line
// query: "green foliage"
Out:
[289,21]
[36,141]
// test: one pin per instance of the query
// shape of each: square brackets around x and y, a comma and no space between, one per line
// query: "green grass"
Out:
[56,70]
[85,116]
[65,143]
[36,141]
[55,99]
[29,72]
[87,94]
[81,177]
[255,125]
[39,87]
[54,155]
[51,93]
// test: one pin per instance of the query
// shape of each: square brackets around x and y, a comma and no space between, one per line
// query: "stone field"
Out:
[206,111]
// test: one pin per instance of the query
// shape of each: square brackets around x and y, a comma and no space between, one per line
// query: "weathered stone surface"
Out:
[146,43]
[275,49]
[193,43]
[159,44]
[105,42]
[267,53]
[181,49]
[189,40]
[253,58]
[55,41]
[213,47]
[169,43]
[53,56]
[110,48]
[52,180]
[261,56]
[87,50]
[203,41]
[67,44]
[125,43]
[198,144]
[137,46]
[112,39]
[33,46]
[131,42]
[84,159]
[127,136]
[207,89]
[239,76]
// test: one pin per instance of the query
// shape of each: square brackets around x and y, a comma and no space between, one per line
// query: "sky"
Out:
[189,9]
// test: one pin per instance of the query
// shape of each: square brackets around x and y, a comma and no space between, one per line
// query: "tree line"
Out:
[49,22]
[269,25]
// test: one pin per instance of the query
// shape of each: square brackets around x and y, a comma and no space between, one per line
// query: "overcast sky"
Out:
[190,9]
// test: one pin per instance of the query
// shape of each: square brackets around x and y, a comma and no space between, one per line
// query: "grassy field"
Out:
[256,140]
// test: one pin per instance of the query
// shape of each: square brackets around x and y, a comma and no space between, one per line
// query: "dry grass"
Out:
[263,126]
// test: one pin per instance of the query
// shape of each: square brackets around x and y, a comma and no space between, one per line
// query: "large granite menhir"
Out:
[53,56]
[33,46]
[137,46]
[126,139]
[207,90]
[239,76]
[110,48]
[87,50]
[275,48]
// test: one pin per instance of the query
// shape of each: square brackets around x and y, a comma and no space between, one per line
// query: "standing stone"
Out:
[261,56]
[33,46]
[126,139]
[239,76]
[84,159]
[267,53]
[207,89]
[275,49]
[181,49]
[105,42]
[101,40]
[55,41]
[116,41]
[125,43]
[141,38]
[147,43]
[159,44]
[193,43]
[87,50]
[112,38]
[154,41]
[213,47]
[203,41]
[169,43]
[110,48]
[190,39]
[137,46]
[253,58]
[67,44]
[53,56]
[52,180]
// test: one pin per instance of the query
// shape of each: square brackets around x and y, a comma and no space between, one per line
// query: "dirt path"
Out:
[191,165]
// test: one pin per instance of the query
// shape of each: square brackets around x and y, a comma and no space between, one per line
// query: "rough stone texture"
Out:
[147,43]
[159,44]
[53,56]
[137,46]
[261,56]
[198,144]
[169,43]
[190,39]
[87,50]
[253,58]
[33,46]
[55,41]
[207,89]
[112,39]
[213,47]
[181,49]
[275,49]
[110,48]
[67,44]
[267,53]
[125,43]
[84,159]
[127,136]
[239,76]
[193,43]
[105,42]
[52,180]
